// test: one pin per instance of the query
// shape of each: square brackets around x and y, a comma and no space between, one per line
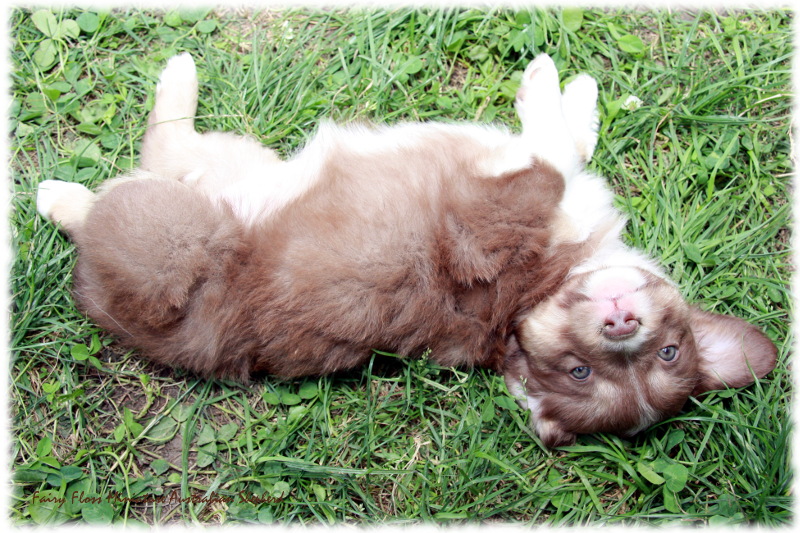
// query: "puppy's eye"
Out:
[668,353]
[581,372]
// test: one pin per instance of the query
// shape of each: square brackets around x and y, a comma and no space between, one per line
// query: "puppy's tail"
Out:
[170,126]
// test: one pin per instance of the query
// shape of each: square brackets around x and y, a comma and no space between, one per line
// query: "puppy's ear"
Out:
[551,433]
[732,352]
[517,375]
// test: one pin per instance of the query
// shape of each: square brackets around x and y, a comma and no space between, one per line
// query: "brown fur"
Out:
[320,286]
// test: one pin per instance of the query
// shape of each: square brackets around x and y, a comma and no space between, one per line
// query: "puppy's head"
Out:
[617,349]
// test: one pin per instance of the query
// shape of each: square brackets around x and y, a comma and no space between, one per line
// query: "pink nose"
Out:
[620,324]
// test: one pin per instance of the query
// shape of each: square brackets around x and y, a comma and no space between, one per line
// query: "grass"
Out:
[701,165]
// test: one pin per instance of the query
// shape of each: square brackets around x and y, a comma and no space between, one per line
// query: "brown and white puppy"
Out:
[485,247]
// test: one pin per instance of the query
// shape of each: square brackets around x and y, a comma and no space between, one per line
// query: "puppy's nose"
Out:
[620,324]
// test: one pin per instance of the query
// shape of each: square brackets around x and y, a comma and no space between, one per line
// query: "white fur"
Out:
[612,253]
[587,204]
[578,106]
[532,404]
[648,414]
[180,73]
[62,202]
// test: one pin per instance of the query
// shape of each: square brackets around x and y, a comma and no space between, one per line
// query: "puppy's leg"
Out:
[176,94]
[170,132]
[538,101]
[544,129]
[579,107]
[64,203]
[173,149]
[559,129]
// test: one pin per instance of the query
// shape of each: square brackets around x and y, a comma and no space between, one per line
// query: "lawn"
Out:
[695,122]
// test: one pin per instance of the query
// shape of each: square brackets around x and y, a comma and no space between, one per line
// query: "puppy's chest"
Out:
[585,207]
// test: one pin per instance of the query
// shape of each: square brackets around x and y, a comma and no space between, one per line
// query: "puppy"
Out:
[485,247]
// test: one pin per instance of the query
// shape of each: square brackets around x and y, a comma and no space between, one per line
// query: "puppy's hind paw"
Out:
[176,93]
[180,71]
[64,203]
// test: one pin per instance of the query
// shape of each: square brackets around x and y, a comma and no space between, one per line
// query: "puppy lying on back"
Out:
[485,247]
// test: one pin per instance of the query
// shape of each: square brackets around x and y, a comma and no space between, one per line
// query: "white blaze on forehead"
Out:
[659,382]
[613,282]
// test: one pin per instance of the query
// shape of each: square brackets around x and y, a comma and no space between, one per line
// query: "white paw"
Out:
[176,95]
[579,107]
[544,128]
[179,72]
[539,97]
[52,192]
[63,202]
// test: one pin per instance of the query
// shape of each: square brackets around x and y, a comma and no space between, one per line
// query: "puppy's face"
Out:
[616,349]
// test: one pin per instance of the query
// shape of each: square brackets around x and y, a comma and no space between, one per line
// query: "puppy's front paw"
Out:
[539,97]
[579,107]
[64,203]
[543,124]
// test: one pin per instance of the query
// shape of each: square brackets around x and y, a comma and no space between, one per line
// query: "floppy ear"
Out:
[732,352]
[515,372]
